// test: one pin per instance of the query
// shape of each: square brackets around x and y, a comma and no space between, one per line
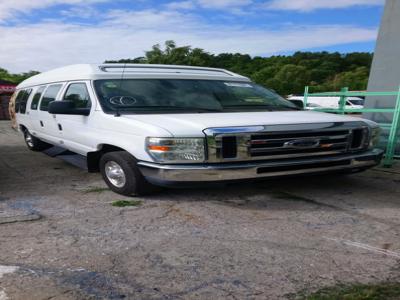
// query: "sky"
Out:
[45,34]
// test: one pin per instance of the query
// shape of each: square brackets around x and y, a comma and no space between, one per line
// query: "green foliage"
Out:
[287,74]
[322,71]
[383,291]
[123,203]
[95,190]
[16,78]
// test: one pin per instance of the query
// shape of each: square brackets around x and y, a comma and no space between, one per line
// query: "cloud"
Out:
[227,5]
[124,34]
[82,12]
[149,19]
[223,3]
[9,8]
[310,5]
[178,5]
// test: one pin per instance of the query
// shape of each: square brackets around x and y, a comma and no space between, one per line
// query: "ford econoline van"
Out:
[143,126]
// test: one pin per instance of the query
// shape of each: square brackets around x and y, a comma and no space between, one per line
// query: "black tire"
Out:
[34,143]
[131,182]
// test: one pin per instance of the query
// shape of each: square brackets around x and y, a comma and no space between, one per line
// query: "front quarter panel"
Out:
[128,134]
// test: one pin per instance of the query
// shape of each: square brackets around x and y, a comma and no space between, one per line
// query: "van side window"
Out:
[18,100]
[21,100]
[78,93]
[24,100]
[36,98]
[49,96]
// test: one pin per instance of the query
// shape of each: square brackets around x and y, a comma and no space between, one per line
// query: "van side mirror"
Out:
[66,108]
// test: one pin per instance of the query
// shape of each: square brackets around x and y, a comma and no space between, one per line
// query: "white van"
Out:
[147,125]
[329,102]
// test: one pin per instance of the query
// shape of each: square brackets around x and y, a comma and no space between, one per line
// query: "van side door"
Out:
[34,109]
[48,126]
[77,129]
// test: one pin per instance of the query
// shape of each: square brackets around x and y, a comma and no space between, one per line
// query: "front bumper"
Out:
[169,174]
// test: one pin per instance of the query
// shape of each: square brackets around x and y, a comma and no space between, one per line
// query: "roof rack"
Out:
[112,71]
[156,68]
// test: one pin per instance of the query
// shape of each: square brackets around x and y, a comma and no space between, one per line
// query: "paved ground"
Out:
[266,240]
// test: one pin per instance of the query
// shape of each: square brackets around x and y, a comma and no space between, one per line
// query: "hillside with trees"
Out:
[15,78]
[287,74]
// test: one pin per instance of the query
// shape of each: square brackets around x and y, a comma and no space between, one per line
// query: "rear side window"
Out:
[24,100]
[21,100]
[18,100]
[36,98]
[78,93]
[49,96]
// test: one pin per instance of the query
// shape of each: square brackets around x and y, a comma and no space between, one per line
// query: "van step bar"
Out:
[70,157]
[56,151]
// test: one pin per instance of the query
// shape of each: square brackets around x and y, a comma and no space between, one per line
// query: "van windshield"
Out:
[183,95]
[357,101]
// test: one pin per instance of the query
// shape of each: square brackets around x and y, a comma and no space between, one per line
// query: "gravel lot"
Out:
[266,240]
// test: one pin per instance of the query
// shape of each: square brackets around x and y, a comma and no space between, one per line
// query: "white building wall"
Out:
[385,70]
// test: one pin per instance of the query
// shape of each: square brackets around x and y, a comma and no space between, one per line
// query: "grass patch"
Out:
[382,291]
[289,196]
[95,190]
[123,203]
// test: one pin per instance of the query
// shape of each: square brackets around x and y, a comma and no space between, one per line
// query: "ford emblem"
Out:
[302,144]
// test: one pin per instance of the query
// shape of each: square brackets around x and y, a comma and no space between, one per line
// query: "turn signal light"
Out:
[159,148]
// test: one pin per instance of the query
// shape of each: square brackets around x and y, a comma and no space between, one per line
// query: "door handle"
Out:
[60,127]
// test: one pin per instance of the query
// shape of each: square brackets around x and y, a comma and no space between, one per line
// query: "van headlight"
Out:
[375,137]
[176,150]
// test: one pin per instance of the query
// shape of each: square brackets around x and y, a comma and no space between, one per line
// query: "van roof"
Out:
[116,71]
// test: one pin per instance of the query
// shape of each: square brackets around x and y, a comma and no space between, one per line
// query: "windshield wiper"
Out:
[121,109]
[203,108]
[268,107]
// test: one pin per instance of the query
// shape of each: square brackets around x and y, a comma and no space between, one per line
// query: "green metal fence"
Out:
[344,93]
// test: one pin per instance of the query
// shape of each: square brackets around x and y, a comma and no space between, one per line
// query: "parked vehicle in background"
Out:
[148,125]
[7,88]
[328,102]
[300,104]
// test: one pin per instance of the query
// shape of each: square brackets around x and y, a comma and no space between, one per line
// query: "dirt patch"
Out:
[18,217]
[242,241]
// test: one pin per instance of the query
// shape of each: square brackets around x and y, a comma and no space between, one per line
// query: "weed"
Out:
[123,203]
[381,291]
[95,190]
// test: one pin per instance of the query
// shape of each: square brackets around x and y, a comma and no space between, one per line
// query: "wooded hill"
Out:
[287,74]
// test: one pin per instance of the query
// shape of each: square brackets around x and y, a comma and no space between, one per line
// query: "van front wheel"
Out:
[120,172]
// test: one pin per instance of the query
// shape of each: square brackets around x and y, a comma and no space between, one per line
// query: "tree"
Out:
[354,80]
[288,74]
[292,79]
[16,78]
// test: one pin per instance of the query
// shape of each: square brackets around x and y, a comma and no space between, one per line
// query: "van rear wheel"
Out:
[34,143]
[120,172]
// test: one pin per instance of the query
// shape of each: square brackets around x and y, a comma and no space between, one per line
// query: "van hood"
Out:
[194,124]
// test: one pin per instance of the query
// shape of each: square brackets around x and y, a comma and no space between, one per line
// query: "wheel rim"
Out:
[115,174]
[28,139]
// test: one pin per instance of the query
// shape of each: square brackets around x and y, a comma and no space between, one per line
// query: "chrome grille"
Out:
[273,142]
[270,144]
